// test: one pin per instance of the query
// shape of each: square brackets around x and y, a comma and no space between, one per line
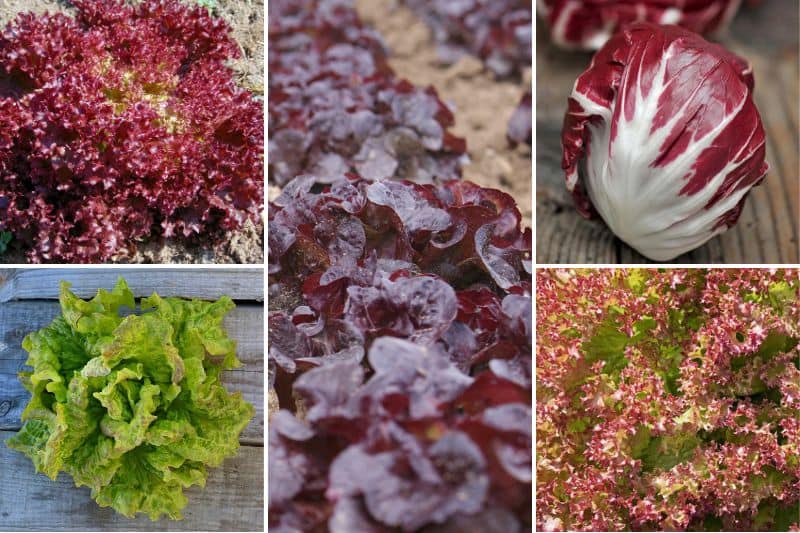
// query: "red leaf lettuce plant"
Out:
[668,400]
[120,124]
[400,351]
[499,32]
[336,106]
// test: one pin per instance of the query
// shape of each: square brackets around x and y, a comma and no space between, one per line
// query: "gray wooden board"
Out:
[767,231]
[205,283]
[232,500]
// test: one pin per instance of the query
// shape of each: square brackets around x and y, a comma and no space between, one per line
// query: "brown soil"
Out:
[482,105]
[244,246]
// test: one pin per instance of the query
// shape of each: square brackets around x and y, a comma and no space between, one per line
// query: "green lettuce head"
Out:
[132,407]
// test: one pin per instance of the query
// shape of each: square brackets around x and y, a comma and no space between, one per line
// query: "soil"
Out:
[482,105]
[246,17]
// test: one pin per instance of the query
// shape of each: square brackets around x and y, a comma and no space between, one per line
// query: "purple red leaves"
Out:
[328,389]
[497,31]
[408,486]
[419,308]
[412,208]
[588,25]
[662,139]
[376,248]
[123,124]
[697,430]
[433,283]
[335,105]
[521,124]
[287,467]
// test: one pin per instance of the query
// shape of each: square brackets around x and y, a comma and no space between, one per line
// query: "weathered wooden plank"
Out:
[245,324]
[206,283]
[780,121]
[232,500]
[767,231]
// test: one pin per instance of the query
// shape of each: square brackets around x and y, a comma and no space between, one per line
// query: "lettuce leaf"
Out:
[132,406]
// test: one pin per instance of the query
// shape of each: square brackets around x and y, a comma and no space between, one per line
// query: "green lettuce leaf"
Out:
[132,406]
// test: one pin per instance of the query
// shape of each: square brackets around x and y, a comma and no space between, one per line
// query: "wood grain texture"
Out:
[239,284]
[767,231]
[232,500]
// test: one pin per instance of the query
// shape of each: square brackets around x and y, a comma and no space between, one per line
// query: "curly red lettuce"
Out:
[668,400]
[121,124]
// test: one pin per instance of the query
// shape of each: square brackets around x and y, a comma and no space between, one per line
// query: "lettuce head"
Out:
[132,406]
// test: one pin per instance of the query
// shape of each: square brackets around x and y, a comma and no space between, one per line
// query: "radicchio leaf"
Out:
[587,24]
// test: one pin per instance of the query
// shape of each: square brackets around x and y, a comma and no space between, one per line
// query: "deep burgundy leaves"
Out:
[432,282]
[429,276]
[329,389]
[288,466]
[497,31]
[336,106]
[408,485]
[122,124]
[520,125]
[420,308]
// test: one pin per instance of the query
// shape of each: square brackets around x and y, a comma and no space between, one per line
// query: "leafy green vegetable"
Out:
[637,280]
[639,441]
[664,452]
[607,344]
[5,238]
[774,344]
[781,292]
[132,407]
[713,523]
[578,425]
[669,361]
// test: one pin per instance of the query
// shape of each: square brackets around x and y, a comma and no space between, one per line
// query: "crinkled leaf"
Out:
[131,407]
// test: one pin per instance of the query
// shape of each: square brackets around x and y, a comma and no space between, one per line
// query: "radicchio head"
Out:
[662,139]
[588,24]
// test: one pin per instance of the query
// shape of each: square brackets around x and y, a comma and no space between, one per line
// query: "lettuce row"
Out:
[132,407]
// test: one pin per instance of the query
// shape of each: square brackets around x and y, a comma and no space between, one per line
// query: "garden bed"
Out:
[391,243]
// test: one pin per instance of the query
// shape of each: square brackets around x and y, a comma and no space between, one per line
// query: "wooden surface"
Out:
[233,496]
[239,284]
[767,231]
